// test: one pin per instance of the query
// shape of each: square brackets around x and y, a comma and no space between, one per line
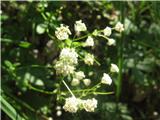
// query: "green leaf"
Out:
[9,65]
[9,110]
[25,44]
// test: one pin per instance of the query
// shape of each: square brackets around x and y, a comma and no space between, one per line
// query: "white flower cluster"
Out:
[119,27]
[62,32]
[114,68]
[77,77]
[79,26]
[89,59]
[89,41]
[72,104]
[108,31]
[67,61]
[70,55]
[106,79]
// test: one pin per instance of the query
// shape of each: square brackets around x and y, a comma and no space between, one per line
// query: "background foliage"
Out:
[29,49]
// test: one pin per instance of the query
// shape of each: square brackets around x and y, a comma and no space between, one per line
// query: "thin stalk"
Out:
[41,91]
[120,59]
[103,93]
[68,88]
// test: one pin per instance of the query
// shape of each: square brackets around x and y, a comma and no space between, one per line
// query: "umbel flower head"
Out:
[111,42]
[114,68]
[79,75]
[107,31]
[89,41]
[79,26]
[67,61]
[106,79]
[70,55]
[90,104]
[64,68]
[89,59]
[62,32]
[71,105]
[86,82]
[119,27]
[75,82]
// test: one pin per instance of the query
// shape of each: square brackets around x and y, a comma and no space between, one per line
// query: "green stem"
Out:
[41,91]
[81,37]
[120,60]
[103,93]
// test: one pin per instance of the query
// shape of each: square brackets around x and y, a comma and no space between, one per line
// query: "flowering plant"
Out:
[69,58]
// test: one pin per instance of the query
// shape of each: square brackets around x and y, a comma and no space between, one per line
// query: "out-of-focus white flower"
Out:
[106,79]
[50,118]
[79,26]
[59,113]
[79,75]
[119,27]
[71,105]
[86,82]
[111,42]
[62,32]
[75,82]
[58,108]
[114,68]
[62,67]
[89,59]
[89,41]
[70,55]
[107,31]
[90,104]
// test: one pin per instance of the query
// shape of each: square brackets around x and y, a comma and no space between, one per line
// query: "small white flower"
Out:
[106,79]
[62,32]
[107,31]
[75,82]
[79,75]
[89,59]
[71,105]
[59,113]
[111,42]
[79,26]
[86,82]
[50,118]
[114,68]
[119,27]
[90,104]
[58,108]
[89,41]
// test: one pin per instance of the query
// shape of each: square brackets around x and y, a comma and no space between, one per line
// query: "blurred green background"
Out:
[28,49]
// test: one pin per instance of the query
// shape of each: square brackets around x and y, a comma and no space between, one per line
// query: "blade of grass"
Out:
[9,110]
